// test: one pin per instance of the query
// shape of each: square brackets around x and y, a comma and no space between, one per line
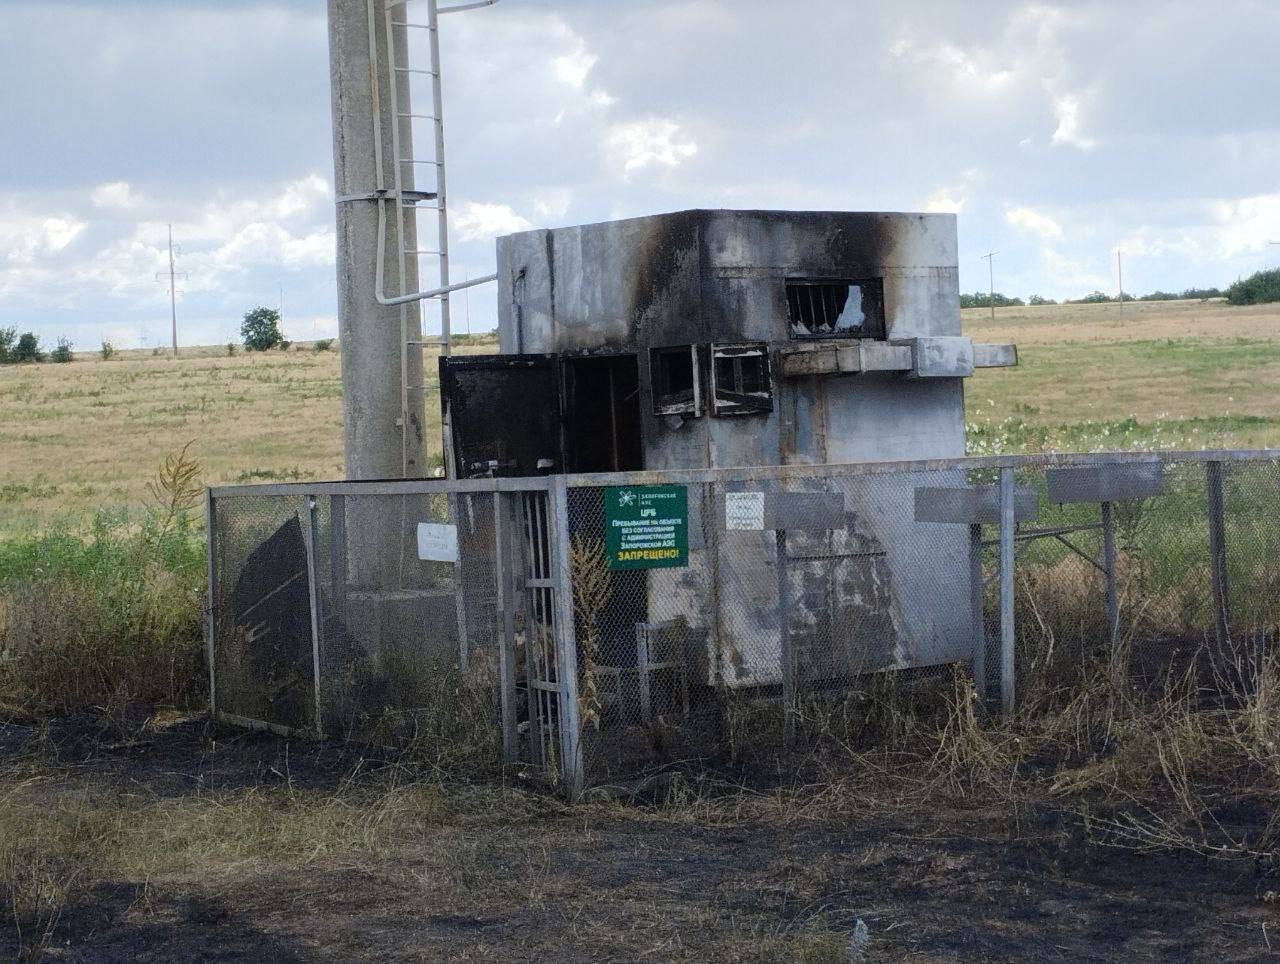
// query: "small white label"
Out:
[437,542]
[744,511]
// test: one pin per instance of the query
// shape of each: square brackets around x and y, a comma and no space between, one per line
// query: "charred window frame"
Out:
[836,308]
[740,381]
[676,382]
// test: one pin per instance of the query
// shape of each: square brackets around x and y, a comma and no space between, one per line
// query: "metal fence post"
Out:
[1217,550]
[310,537]
[503,529]
[1109,568]
[211,604]
[784,642]
[1007,526]
[566,641]
[338,558]
[979,667]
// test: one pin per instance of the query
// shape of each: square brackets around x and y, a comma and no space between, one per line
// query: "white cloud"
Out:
[552,204]
[635,145]
[1069,274]
[1246,224]
[1067,111]
[941,202]
[115,196]
[573,67]
[969,67]
[1033,222]
[26,236]
[951,198]
[479,221]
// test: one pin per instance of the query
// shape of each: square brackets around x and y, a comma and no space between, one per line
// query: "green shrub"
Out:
[982,299]
[108,350]
[231,348]
[8,338]
[110,616]
[284,344]
[1200,294]
[1094,298]
[322,344]
[1037,300]
[27,349]
[1260,288]
[62,353]
[261,329]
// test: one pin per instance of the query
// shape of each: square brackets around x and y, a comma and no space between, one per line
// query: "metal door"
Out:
[503,412]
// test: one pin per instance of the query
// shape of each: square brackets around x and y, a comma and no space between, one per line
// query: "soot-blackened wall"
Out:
[711,277]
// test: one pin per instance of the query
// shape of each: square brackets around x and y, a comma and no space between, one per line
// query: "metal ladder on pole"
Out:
[407,199]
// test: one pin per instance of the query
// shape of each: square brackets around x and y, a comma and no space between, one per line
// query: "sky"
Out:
[1057,132]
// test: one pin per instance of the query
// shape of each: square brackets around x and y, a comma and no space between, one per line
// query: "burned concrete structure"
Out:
[707,339]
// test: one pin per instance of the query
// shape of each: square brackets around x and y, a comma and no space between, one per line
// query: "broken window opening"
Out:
[602,414]
[740,382]
[836,309]
[676,386]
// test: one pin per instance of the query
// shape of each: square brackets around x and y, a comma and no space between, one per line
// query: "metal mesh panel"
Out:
[262,617]
[763,636]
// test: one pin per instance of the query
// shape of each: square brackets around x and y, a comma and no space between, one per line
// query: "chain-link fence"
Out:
[595,627]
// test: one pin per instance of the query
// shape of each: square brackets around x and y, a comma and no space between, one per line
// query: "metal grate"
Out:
[832,309]
[794,590]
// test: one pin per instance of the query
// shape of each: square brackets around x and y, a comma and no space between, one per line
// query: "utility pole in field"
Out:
[991,281]
[1120,274]
[172,277]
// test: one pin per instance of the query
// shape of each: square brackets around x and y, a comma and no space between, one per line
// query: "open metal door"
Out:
[504,414]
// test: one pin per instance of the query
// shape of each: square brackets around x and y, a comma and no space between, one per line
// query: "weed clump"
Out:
[107,617]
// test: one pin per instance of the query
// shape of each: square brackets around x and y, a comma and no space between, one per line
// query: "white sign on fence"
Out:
[744,511]
[437,542]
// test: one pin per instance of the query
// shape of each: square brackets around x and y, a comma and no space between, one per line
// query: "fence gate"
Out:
[538,657]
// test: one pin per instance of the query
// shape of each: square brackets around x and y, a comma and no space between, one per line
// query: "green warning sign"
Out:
[646,526]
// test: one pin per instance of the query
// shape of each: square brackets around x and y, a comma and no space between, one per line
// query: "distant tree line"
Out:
[18,349]
[982,299]
[1259,288]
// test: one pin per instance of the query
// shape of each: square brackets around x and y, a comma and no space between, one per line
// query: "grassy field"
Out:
[1114,816]
[88,434]
[1178,374]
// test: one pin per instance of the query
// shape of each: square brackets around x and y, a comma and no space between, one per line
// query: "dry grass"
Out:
[76,436]
[87,434]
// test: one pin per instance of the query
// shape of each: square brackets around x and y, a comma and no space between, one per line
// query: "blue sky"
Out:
[1057,131]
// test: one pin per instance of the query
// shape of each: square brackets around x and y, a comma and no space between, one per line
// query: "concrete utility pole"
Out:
[377,444]
[1120,274]
[991,281]
[172,277]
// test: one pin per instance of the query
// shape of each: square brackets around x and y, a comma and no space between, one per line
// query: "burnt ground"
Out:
[704,880]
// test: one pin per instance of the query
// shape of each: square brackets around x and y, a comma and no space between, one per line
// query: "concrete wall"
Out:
[700,277]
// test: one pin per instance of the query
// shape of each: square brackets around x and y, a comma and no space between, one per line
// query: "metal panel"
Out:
[879,356]
[970,506]
[504,413]
[995,356]
[1104,483]
[689,476]
[940,356]
[807,511]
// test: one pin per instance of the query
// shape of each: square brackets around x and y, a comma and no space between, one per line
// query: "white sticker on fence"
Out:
[437,542]
[744,511]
